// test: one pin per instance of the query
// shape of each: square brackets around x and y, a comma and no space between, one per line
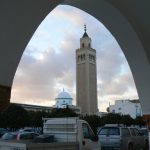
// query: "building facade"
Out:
[126,107]
[35,108]
[64,100]
[86,76]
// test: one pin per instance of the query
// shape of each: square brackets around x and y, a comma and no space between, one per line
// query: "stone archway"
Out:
[128,24]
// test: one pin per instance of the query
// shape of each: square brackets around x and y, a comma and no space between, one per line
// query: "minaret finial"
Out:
[85,34]
[85,27]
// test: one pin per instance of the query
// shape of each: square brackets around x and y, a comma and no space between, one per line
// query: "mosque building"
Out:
[63,100]
[86,76]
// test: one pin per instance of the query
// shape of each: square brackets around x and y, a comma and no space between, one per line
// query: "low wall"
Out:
[22,145]
[57,146]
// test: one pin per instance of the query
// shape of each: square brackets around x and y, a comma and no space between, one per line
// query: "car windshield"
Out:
[109,131]
[144,131]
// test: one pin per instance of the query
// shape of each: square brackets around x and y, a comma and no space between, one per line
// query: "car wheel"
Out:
[130,147]
[146,146]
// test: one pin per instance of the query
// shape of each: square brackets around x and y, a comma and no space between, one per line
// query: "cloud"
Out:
[68,13]
[36,78]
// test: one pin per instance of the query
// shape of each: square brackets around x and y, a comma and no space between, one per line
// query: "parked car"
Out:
[144,131]
[28,129]
[19,136]
[2,131]
[9,136]
[117,137]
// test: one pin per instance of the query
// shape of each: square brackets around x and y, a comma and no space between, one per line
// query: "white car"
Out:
[121,138]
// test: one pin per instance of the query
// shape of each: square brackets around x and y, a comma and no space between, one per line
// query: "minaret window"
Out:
[90,57]
[94,58]
[82,45]
[89,45]
[81,57]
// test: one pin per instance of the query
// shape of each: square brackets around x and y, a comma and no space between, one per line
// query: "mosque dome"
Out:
[63,100]
[63,95]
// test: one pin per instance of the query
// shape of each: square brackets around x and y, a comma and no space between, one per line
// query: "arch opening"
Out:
[53,57]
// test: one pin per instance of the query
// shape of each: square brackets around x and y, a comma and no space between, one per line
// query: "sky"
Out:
[48,64]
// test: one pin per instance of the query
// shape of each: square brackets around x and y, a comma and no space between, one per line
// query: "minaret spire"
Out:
[85,34]
[85,27]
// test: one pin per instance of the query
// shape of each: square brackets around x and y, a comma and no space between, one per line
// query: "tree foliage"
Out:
[16,117]
[36,118]
[96,121]
[63,112]
[93,120]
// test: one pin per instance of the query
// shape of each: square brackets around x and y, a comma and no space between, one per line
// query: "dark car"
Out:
[36,130]
[3,131]
[19,136]
[9,136]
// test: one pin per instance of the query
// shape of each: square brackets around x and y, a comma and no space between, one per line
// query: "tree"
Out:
[107,109]
[93,120]
[15,117]
[111,119]
[139,121]
[127,120]
[1,118]
[63,112]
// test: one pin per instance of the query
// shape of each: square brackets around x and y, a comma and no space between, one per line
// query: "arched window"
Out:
[82,45]
[78,58]
[84,56]
[93,58]
[90,57]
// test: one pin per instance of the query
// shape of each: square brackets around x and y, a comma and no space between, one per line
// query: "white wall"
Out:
[125,107]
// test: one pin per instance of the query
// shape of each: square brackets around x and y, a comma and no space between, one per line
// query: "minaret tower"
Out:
[86,76]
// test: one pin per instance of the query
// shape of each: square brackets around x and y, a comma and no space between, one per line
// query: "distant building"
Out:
[102,114]
[63,100]
[86,76]
[34,108]
[126,107]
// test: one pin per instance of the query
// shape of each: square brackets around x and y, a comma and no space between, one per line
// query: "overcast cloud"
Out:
[48,63]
